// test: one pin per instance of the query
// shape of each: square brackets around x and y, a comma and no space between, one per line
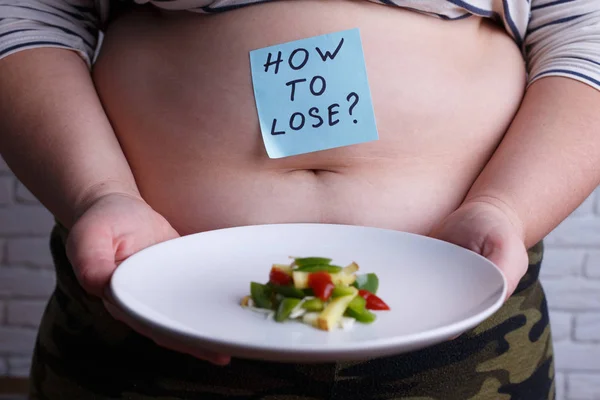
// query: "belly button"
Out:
[312,171]
[322,171]
[304,171]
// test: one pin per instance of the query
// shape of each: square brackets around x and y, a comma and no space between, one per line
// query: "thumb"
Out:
[509,254]
[91,251]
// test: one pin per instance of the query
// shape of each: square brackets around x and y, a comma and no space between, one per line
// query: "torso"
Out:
[444,94]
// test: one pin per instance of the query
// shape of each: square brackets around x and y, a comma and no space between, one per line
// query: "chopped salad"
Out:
[314,291]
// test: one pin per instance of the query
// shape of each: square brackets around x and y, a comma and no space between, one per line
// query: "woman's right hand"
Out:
[108,231]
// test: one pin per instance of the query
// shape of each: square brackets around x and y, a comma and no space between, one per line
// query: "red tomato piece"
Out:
[321,284]
[279,278]
[373,302]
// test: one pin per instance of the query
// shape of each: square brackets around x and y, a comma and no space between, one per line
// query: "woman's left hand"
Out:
[489,230]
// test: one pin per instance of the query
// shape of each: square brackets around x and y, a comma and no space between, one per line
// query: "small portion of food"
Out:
[313,291]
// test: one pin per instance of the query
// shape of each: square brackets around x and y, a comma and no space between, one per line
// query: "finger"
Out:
[206,355]
[135,241]
[510,256]
[91,252]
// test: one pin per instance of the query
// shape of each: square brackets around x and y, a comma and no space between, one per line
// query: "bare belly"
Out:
[178,91]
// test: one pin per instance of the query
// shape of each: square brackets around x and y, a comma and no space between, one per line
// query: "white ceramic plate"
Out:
[189,289]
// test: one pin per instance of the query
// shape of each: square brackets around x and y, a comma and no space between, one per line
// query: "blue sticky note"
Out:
[313,94]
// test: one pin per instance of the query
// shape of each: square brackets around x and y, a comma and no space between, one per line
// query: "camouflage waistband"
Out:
[82,353]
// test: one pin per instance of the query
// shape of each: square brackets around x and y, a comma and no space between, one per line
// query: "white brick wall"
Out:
[571,275]
[25,278]
[571,278]
[584,386]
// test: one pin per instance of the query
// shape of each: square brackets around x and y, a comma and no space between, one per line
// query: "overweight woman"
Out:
[488,113]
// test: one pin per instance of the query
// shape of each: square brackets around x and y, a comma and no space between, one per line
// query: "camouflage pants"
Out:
[82,353]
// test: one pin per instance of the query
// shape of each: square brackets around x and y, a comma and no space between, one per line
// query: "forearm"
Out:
[54,134]
[548,161]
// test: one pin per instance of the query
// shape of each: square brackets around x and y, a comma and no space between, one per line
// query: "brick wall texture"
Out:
[571,277]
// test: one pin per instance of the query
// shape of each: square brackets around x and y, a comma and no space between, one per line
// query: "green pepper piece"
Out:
[308,292]
[302,261]
[287,291]
[276,299]
[313,305]
[365,316]
[332,269]
[356,309]
[261,295]
[339,291]
[369,282]
[358,303]
[285,308]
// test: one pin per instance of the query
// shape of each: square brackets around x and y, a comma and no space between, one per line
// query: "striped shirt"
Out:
[557,37]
